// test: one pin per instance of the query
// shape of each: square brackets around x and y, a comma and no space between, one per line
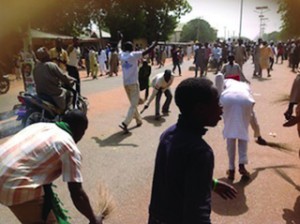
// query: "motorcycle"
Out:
[4,83]
[35,108]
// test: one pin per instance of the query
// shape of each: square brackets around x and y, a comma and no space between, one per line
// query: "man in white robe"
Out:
[237,103]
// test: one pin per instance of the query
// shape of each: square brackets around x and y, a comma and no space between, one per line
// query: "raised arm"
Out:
[149,49]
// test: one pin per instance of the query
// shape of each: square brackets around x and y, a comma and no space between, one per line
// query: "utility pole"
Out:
[241,18]
[261,10]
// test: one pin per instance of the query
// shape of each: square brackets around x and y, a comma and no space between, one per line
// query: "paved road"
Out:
[124,163]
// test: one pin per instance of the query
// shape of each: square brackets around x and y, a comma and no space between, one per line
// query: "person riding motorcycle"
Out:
[50,79]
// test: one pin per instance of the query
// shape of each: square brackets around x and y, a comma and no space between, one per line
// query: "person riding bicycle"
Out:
[50,79]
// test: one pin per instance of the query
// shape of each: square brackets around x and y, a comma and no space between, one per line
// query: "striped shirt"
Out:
[36,156]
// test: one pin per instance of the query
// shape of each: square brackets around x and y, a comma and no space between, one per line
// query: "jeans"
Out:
[167,103]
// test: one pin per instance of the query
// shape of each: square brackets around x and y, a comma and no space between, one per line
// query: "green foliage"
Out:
[198,29]
[135,18]
[143,18]
[275,36]
[289,10]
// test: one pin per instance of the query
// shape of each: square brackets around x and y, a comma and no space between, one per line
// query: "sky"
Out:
[224,15]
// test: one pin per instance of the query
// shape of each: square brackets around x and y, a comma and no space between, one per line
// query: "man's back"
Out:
[48,79]
[182,178]
[129,61]
[35,156]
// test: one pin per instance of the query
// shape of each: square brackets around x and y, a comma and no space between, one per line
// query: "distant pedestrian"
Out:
[113,62]
[102,60]
[86,61]
[58,55]
[74,55]
[183,173]
[232,70]
[265,53]
[176,57]
[144,75]
[280,52]
[272,56]
[216,55]
[200,60]
[93,62]
[240,53]
[256,58]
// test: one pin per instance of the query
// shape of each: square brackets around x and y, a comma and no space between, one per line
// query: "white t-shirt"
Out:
[74,57]
[129,62]
[157,83]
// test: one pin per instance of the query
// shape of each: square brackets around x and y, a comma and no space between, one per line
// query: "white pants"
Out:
[102,68]
[231,149]
[133,93]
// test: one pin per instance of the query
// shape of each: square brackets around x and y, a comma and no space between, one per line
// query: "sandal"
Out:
[230,174]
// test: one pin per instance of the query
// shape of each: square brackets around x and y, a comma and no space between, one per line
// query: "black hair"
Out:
[78,122]
[128,46]
[193,91]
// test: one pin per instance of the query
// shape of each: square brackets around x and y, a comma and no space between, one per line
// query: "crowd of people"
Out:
[183,172]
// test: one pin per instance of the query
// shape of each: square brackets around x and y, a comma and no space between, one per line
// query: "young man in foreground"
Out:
[182,182]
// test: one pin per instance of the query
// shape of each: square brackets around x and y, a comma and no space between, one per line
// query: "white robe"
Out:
[237,103]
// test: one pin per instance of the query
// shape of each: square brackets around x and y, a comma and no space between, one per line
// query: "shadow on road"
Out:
[281,147]
[279,171]
[8,124]
[115,140]
[236,206]
[262,79]
[239,206]
[156,123]
[292,216]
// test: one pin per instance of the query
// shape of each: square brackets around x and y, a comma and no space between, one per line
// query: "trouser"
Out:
[73,72]
[167,103]
[231,149]
[176,64]
[133,95]
[271,63]
[102,67]
[146,92]
[31,212]
[87,66]
[254,125]
[94,70]
[202,70]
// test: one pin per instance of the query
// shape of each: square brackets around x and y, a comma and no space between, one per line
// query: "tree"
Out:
[135,18]
[289,10]
[274,36]
[142,18]
[198,29]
